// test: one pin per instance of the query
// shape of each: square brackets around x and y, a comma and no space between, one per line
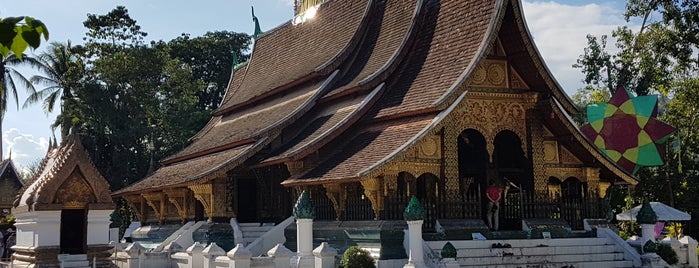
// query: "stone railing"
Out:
[212,256]
[271,238]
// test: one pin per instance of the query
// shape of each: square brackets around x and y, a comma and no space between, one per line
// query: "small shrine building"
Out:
[64,209]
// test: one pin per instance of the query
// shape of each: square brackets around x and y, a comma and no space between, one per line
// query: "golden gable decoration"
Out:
[66,177]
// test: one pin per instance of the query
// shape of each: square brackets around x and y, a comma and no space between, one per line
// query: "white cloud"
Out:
[286,2]
[25,148]
[560,32]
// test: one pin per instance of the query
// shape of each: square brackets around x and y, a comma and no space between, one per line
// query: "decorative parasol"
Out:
[665,213]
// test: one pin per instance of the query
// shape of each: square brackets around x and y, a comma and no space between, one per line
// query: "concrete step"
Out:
[597,264]
[520,243]
[536,251]
[255,224]
[527,260]
[76,264]
[256,229]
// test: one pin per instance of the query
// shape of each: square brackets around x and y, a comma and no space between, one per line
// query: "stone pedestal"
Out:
[416,258]
[450,263]
[647,233]
[304,243]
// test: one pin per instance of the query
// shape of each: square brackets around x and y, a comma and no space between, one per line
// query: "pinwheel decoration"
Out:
[626,129]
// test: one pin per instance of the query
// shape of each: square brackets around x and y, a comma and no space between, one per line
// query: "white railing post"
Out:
[210,254]
[196,259]
[692,258]
[325,256]
[239,256]
[135,252]
[281,256]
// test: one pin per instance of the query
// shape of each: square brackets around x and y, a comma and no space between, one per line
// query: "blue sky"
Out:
[559,29]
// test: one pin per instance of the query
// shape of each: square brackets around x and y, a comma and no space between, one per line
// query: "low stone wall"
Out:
[213,256]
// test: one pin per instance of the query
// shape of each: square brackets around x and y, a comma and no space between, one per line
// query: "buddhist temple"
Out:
[365,103]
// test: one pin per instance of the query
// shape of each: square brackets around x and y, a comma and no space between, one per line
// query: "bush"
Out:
[356,257]
[665,251]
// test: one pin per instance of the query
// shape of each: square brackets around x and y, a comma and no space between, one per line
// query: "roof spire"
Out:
[234,55]
[258,31]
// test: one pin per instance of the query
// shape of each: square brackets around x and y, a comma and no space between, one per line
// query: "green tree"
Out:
[10,79]
[63,70]
[210,59]
[659,57]
[111,32]
[18,33]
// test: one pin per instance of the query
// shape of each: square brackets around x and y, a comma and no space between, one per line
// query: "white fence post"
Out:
[135,252]
[196,259]
[239,256]
[692,258]
[281,256]
[210,253]
[325,256]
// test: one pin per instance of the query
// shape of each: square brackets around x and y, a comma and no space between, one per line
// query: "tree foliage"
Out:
[132,103]
[18,33]
[210,59]
[659,57]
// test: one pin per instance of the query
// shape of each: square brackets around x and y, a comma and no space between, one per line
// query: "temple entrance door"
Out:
[247,200]
[426,192]
[73,231]
[473,163]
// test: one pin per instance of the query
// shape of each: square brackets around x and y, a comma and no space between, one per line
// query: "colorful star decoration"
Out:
[626,129]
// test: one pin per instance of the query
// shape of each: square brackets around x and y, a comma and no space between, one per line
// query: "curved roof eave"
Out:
[334,62]
[438,119]
[368,101]
[286,120]
[399,53]
[493,29]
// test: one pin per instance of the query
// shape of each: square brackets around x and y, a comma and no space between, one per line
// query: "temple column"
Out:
[178,197]
[372,189]
[338,196]
[137,204]
[157,202]
[451,163]
[204,194]
[593,183]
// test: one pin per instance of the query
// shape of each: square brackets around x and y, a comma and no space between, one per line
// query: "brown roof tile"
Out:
[321,123]
[291,52]
[235,81]
[452,33]
[246,123]
[386,34]
[184,171]
[364,149]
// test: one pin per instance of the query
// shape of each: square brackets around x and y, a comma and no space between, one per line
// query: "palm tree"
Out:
[62,70]
[10,78]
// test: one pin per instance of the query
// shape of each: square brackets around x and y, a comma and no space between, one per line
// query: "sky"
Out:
[559,29]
